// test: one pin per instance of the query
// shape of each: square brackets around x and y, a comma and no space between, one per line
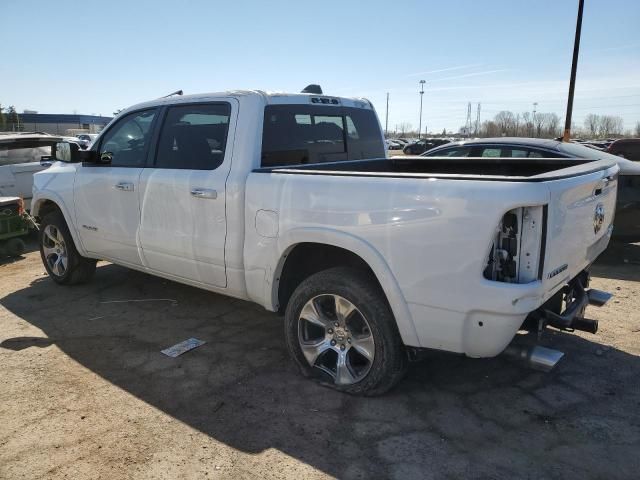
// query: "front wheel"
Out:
[340,330]
[59,254]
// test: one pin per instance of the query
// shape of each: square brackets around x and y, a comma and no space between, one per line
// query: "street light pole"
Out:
[422,82]
[574,66]
[386,118]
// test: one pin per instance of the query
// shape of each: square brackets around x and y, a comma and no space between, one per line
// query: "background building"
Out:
[60,124]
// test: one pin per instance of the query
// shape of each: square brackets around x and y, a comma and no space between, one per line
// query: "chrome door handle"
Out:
[204,193]
[124,186]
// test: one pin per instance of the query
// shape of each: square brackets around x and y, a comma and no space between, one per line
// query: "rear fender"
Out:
[364,250]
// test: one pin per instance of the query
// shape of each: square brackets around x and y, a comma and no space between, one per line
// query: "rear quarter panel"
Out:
[431,236]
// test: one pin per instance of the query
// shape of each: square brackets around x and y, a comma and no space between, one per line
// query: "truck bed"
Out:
[463,168]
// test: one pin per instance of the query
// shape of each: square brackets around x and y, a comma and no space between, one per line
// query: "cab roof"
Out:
[266,97]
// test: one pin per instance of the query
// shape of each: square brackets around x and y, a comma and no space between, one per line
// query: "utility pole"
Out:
[533,118]
[386,118]
[477,129]
[422,82]
[572,81]
[467,124]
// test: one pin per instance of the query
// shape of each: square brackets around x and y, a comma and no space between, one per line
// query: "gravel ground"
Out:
[86,393]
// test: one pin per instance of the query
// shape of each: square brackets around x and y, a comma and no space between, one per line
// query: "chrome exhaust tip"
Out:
[598,297]
[534,356]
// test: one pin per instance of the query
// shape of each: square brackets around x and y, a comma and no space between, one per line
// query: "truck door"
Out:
[183,223]
[106,196]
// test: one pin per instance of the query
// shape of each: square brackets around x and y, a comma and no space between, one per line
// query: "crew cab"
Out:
[288,200]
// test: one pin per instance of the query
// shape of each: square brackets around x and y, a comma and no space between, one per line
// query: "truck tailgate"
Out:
[579,223]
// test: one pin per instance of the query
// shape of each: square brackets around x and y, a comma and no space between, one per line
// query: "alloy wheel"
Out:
[336,338]
[55,250]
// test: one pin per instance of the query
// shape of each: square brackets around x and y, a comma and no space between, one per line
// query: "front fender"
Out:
[39,199]
[287,241]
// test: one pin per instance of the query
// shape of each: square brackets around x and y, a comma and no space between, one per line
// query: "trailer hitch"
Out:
[573,316]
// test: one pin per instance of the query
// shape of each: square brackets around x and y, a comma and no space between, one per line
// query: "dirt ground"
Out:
[86,393]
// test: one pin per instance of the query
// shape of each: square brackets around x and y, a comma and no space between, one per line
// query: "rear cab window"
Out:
[298,134]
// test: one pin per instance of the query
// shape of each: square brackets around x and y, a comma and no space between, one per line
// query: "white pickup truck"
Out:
[287,200]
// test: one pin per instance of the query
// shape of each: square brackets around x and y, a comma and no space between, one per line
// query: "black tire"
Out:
[390,360]
[15,247]
[79,269]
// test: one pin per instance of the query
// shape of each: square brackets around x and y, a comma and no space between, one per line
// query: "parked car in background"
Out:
[598,145]
[393,144]
[424,145]
[628,148]
[627,221]
[20,157]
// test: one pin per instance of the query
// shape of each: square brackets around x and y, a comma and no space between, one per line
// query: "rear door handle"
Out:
[204,193]
[124,186]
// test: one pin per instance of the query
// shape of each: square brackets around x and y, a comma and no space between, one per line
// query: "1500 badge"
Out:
[557,271]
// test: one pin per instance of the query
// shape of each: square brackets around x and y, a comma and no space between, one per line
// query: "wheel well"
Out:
[305,259]
[46,207]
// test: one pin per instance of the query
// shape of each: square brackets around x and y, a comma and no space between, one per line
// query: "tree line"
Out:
[9,120]
[549,125]
[539,125]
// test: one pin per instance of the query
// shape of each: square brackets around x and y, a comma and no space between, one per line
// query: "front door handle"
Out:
[124,186]
[204,193]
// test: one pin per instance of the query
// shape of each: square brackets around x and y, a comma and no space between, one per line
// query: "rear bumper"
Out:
[481,334]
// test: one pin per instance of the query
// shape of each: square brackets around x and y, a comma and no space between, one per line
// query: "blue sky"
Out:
[94,57]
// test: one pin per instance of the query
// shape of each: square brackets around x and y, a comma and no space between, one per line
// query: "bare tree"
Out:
[404,127]
[610,125]
[539,124]
[505,121]
[527,124]
[592,123]
[637,132]
[553,124]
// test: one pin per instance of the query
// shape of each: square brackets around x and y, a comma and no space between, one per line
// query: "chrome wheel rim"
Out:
[54,250]
[336,338]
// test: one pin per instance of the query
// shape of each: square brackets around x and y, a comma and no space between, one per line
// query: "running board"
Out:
[598,297]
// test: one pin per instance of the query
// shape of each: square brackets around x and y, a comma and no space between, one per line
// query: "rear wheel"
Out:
[340,330]
[59,254]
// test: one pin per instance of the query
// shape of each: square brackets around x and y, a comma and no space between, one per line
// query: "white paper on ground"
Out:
[180,348]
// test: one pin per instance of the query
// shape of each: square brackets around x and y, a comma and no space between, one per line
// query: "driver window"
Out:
[125,143]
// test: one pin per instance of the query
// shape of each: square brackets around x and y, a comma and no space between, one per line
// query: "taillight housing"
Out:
[516,254]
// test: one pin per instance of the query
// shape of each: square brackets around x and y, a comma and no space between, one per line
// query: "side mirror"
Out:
[70,152]
[66,152]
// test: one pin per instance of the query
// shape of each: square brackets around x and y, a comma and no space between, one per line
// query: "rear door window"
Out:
[14,155]
[450,152]
[194,137]
[490,152]
[523,153]
[299,134]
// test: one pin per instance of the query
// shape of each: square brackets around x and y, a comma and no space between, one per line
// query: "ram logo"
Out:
[598,218]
